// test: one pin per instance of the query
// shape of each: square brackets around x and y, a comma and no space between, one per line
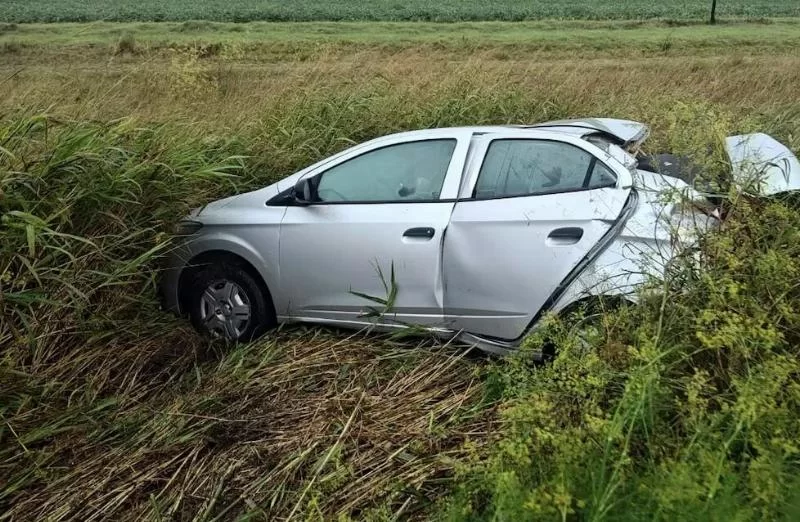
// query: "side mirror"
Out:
[302,193]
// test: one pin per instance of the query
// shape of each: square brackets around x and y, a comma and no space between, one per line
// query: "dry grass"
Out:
[303,424]
[491,85]
[143,420]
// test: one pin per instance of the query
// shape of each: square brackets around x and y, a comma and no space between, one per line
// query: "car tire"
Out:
[227,302]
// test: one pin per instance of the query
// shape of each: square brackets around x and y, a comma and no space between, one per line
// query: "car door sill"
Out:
[492,346]
[355,324]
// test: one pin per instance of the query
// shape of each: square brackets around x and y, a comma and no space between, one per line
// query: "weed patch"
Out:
[126,44]
[686,407]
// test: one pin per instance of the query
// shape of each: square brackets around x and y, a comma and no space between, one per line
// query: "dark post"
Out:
[713,19]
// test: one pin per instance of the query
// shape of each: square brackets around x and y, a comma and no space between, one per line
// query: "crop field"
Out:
[18,11]
[685,407]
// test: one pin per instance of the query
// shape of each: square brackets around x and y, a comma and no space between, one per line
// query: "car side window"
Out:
[522,167]
[601,177]
[412,171]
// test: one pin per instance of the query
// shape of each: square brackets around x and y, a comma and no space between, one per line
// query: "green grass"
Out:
[107,403]
[541,35]
[686,407]
[18,11]
[233,44]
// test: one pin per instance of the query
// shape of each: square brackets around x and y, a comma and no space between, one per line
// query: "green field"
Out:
[283,40]
[18,11]
[685,406]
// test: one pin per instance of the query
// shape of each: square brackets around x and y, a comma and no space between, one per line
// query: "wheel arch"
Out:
[217,256]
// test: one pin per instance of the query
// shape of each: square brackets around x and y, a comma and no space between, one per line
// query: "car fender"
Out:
[221,241]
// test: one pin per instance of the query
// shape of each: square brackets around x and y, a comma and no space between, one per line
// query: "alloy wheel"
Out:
[225,309]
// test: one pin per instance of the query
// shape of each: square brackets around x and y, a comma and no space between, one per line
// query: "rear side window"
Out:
[601,176]
[517,167]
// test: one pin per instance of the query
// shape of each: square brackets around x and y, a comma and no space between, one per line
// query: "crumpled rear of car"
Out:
[670,214]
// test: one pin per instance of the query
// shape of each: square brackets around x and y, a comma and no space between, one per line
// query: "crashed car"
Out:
[473,233]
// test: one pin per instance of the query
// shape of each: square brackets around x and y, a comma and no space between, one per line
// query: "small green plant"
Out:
[387,301]
[666,44]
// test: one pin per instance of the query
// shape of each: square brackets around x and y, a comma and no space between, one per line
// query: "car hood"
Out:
[234,209]
[762,165]
[630,134]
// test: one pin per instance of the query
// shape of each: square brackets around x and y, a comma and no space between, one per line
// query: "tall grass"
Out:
[112,409]
[86,207]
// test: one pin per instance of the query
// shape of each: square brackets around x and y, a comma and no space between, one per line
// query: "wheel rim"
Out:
[225,309]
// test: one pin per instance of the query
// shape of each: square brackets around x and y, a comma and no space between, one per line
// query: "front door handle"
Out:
[565,236]
[420,232]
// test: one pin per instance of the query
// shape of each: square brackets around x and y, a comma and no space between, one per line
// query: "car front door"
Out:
[530,209]
[373,231]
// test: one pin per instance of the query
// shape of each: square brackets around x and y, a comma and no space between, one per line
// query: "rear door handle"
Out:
[565,236]
[420,232]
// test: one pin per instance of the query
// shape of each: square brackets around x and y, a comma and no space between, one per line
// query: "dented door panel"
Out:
[503,258]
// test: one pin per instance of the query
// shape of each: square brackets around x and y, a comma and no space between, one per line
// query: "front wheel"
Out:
[226,302]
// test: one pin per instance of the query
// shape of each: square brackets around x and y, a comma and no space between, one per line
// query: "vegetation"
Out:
[102,391]
[685,407]
[19,11]
[292,41]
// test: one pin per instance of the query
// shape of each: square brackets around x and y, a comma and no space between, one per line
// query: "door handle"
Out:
[420,232]
[565,236]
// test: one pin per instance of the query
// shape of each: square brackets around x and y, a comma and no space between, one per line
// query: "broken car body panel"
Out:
[630,134]
[762,165]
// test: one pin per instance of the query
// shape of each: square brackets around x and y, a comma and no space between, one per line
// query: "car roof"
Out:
[622,132]
[525,130]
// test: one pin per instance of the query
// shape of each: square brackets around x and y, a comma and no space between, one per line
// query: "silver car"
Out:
[469,232]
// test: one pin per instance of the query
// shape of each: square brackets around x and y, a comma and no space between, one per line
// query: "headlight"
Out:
[187,228]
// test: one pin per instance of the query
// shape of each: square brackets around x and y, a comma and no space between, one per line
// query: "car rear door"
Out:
[380,215]
[531,207]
